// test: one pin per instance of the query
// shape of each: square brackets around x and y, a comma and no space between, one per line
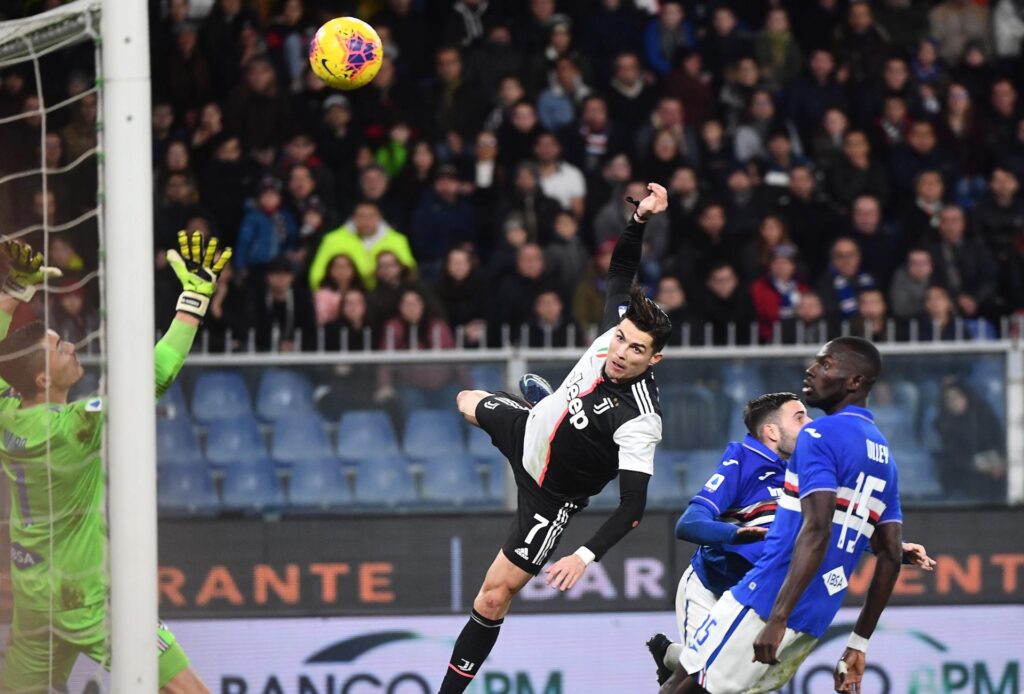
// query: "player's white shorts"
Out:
[693,603]
[721,652]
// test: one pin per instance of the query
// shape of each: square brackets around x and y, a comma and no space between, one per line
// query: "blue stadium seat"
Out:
[366,434]
[319,486]
[283,393]
[699,466]
[431,434]
[689,417]
[489,377]
[252,486]
[384,482]
[608,498]
[897,425]
[230,440]
[176,442]
[220,395]
[299,438]
[666,489]
[172,405]
[917,476]
[493,471]
[479,443]
[187,490]
[452,481]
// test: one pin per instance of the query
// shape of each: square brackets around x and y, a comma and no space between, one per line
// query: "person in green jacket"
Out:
[51,453]
[361,239]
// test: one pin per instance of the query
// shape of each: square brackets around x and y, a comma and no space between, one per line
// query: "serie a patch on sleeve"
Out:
[95,405]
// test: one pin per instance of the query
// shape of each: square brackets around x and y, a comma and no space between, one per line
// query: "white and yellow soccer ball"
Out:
[346,53]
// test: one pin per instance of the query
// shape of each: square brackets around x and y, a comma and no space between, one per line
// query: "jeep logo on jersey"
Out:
[577,416]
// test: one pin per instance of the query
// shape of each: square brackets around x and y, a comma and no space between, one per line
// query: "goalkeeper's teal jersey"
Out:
[51,455]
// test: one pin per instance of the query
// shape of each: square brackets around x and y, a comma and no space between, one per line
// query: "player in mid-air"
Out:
[603,420]
[50,449]
[840,493]
[732,513]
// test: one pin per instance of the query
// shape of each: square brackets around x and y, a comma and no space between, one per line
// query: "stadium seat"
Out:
[252,486]
[384,482]
[489,377]
[172,405]
[608,498]
[689,417]
[283,393]
[366,434]
[319,485]
[452,481]
[432,434]
[187,490]
[176,442]
[234,439]
[917,476]
[220,395]
[897,425]
[493,471]
[699,466]
[666,489]
[479,443]
[299,438]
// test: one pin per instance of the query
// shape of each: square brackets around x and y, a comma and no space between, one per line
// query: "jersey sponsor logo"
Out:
[877,452]
[731,461]
[776,492]
[577,415]
[23,558]
[13,443]
[714,482]
[95,405]
[766,475]
[835,580]
[813,433]
[605,405]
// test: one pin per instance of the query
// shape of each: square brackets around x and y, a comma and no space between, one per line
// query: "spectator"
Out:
[666,36]
[362,238]
[443,219]
[827,141]
[972,462]
[725,306]
[844,279]
[743,79]
[757,255]
[530,205]
[206,134]
[1004,116]
[467,21]
[614,216]
[516,136]
[267,232]
[861,44]
[463,296]
[187,80]
[559,179]
[921,218]
[929,70]
[725,43]
[610,30]
[686,326]
[495,59]
[814,93]
[716,155]
[309,208]
[777,294]
[629,98]
[176,205]
[964,266]
[417,176]
[449,103]
[384,102]
[872,321]
[892,127]
[588,299]
[684,202]
[565,256]
[548,326]
[940,321]
[953,23]
[227,182]
[73,317]
[999,216]
[513,304]
[352,330]
[340,277]
[744,204]
[975,71]
[558,103]
[714,242]
[962,132]
[878,244]
[777,51]
[391,279]
[542,70]
[256,109]
[374,186]
[855,174]
[79,136]
[910,285]
[283,311]
[668,116]
[758,125]
[903,20]
[596,138]
[811,220]
[692,86]
[810,325]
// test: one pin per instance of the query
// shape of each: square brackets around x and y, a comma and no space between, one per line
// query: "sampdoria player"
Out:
[840,493]
[51,455]
[603,420]
[732,513]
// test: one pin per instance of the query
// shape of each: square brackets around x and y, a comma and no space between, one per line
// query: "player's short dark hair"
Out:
[22,357]
[871,359]
[648,317]
[758,410]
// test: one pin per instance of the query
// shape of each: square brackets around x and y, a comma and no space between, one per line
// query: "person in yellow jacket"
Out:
[361,239]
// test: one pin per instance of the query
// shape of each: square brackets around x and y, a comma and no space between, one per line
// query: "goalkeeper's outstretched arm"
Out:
[626,256]
[24,273]
[197,270]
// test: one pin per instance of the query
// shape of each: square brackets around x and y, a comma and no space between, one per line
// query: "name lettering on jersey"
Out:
[605,405]
[577,415]
[23,558]
[877,452]
[714,482]
[13,443]
[835,580]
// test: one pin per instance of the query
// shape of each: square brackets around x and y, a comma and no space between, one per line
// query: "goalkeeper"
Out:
[50,450]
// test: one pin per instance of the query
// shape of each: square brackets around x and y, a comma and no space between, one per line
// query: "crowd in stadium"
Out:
[829,163]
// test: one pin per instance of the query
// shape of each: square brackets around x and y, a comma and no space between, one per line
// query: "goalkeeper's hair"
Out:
[648,316]
[23,357]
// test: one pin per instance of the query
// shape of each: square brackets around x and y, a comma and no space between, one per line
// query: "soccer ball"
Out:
[346,53]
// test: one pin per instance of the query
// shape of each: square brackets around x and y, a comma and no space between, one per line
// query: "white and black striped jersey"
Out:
[580,436]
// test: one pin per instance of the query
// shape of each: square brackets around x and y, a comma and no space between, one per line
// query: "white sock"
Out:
[672,656]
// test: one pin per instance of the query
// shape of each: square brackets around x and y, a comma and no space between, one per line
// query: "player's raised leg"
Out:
[503,580]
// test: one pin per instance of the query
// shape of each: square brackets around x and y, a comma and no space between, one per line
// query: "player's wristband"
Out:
[638,219]
[857,643]
[586,555]
[193,303]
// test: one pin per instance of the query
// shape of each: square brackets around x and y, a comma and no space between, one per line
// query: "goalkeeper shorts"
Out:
[44,646]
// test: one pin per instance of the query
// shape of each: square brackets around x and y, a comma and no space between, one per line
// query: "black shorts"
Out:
[540,516]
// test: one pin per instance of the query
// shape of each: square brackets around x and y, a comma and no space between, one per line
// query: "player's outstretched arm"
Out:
[197,269]
[887,544]
[809,550]
[564,573]
[699,526]
[25,271]
[626,256]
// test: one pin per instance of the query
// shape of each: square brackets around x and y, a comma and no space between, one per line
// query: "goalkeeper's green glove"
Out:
[197,271]
[26,271]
